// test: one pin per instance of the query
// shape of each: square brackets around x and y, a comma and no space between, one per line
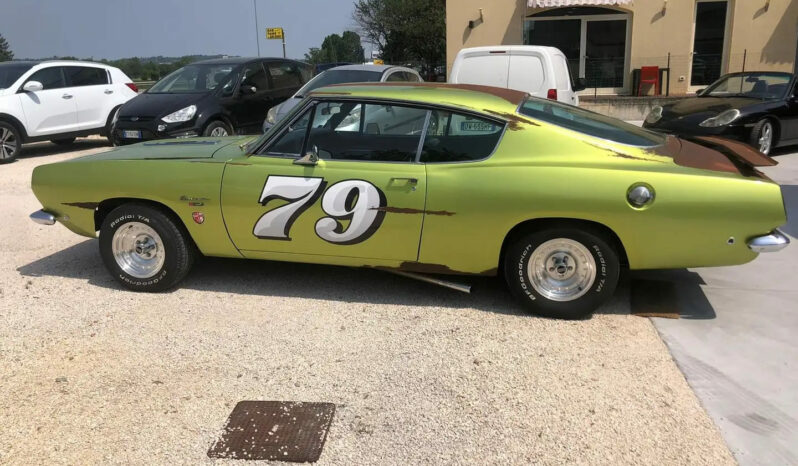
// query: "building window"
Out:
[708,42]
[593,39]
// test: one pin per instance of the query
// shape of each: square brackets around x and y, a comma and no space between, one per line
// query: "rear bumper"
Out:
[43,218]
[775,241]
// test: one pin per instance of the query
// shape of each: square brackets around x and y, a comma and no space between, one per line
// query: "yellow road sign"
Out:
[378,61]
[274,33]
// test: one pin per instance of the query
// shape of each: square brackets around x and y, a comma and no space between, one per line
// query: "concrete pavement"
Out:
[741,361]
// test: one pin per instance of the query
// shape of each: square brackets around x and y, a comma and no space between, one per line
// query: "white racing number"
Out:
[357,201]
[355,208]
[298,191]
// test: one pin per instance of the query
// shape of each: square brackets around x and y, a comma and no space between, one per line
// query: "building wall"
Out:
[765,38]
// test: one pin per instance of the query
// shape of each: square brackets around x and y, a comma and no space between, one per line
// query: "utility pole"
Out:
[283,43]
[257,28]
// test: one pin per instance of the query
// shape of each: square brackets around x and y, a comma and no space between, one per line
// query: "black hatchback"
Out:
[219,97]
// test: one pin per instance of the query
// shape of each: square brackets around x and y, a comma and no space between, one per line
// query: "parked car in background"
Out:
[218,97]
[554,198]
[320,67]
[759,108]
[57,101]
[342,75]
[540,71]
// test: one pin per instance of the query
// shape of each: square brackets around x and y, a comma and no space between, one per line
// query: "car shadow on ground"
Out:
[48,148]
[690,301]
[358,285]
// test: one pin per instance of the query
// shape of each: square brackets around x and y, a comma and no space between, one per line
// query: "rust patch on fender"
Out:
[406,210]
[514,122]
[82,205]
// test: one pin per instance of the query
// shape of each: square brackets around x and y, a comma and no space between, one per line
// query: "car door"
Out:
[363,198]
[253,98]
[51,110]
[93,95]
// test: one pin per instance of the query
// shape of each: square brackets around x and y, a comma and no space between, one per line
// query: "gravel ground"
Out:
[90,373]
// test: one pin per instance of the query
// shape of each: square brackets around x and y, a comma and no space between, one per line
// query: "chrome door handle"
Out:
[109,91]
[409,180]
[66,96]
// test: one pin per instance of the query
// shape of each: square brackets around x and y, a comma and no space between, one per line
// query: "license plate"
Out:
[130,134]
[475,126]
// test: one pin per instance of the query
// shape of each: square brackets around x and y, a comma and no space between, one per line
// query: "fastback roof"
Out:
[467,96]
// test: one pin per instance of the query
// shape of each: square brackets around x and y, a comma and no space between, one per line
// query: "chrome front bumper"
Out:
[43,218]
[775,241]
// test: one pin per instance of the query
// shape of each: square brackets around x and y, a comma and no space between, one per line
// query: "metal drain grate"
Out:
[652,298]
[275,430]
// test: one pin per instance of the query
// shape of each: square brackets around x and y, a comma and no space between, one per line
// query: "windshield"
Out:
[194,78]
[339,77]
[755,85]
[586,122]
[10,72]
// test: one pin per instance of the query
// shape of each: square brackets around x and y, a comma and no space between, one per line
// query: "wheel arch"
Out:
[106,206]
[11,119]
[219,117]
[538,224]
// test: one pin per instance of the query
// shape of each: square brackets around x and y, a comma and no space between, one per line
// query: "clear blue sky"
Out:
[126,28]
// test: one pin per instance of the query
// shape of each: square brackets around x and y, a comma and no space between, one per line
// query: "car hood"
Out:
[707,105]
[158,105]
[167,149]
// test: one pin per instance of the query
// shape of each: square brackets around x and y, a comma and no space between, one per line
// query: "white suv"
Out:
[57,101]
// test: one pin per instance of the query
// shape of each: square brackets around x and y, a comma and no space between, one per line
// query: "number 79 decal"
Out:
[357,201]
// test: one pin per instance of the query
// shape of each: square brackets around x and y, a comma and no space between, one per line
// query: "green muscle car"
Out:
[426,179]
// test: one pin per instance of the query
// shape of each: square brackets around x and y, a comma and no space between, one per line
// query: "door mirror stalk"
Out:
[311,158]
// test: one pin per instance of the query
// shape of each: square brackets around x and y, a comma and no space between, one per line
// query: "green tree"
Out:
[5,50]
[405,30]
[335,48]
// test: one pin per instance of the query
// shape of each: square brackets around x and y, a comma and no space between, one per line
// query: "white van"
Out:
[540,71]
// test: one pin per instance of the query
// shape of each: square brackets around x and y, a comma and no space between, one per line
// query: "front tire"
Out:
[565,273]
[763,136]
[217,129]
[10,142]
[145,249]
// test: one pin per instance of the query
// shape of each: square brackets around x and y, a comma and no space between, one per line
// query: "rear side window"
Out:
[454,137]
[254,75]
[396,76]
[85,76]
[285,74]
[51,78]
[592,124]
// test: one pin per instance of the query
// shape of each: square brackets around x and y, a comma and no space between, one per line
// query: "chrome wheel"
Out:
[138,250]
[8,143]
[218,132]
[765,137]
[561,269]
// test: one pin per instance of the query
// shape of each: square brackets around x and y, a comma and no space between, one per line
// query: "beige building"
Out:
[608,41]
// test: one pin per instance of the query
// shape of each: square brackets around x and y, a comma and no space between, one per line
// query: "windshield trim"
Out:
[664,137]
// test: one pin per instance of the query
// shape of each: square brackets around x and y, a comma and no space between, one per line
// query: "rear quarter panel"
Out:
[539,174]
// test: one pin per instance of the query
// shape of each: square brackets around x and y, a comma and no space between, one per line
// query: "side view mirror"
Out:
[580,84]
[311,158]
[32,86]
[248,89]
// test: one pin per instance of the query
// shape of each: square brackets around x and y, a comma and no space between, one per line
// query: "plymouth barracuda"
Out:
[426,179]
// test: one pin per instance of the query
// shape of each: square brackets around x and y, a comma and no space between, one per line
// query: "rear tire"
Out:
[10,142]
[565,273]
[145,249]
[217,129]
[63,141]
[763,136]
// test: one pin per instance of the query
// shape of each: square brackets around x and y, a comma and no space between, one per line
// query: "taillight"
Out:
[135,88]
[552,94]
